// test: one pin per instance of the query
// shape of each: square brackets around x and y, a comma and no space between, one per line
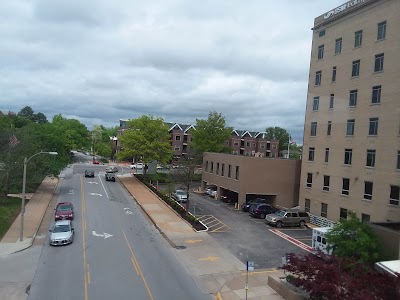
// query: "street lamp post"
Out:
[26,160]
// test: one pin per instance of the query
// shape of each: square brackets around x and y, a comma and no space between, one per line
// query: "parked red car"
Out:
[96,162]
[64,211]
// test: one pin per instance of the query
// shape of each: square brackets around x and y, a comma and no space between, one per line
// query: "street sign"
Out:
[250,265]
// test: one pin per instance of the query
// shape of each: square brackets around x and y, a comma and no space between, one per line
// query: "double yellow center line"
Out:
[86,270]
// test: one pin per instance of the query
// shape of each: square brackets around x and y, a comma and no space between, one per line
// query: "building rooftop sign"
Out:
[342,8]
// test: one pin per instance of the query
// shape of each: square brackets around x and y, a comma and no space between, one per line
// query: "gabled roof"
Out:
[189,127]
[175,126]
[260,134]
[246,133]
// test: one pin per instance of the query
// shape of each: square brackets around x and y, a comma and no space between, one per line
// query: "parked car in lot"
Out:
[62,233]
[110,177]
[261,210]
[288,218]
[210,190]
[111,169]
[246,206]
[137,166]
[180,196]
[89,173]
[64,211]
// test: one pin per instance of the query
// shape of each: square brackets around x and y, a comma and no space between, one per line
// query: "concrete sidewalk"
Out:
[35,209]
[214,269]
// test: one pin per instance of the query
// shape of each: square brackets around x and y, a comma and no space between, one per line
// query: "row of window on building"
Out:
[220,169]
[350,127]
[355,69]
[342,213]
[394,190]
[348,157]
[358,39]
[353,97]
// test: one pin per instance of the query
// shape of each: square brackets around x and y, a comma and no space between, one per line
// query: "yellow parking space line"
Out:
[88,273]
[218,296]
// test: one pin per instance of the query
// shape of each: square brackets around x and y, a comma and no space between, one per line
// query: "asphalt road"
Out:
[116,253]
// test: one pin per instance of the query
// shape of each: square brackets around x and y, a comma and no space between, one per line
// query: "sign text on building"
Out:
[341,8]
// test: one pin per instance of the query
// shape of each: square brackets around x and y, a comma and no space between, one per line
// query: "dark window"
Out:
[350,127]
[321,52]
[370,158]
[313,129]
[326,155]
[318,77]
[324,210]
[212,167]
[315,103]
[381,30]
[307,205]
[353,98]
[237,173]
[338,46]
[177,138]
[379,62]
[376,94]
[333,74]
[348,156]
[355,71]
[311,152]
[206,167]
[326,183]
[345,186]
[343,214]
[394,194]
[309,180]
[229,171]
[217,169]
[223,170]
[358,38]
[368,185]
[331,100]
[365,218]
[398,160]
[321,33]
[373,126]
[329,129]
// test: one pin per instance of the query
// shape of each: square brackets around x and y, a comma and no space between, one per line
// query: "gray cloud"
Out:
[101,61]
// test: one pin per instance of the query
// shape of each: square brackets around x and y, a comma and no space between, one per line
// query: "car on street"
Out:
[110,177]
[89,173]
[261,210]
[137,166]
[180,196]
[62,233]
[246,206]
[111,169]
[288,218]
[96,162]
[64,211]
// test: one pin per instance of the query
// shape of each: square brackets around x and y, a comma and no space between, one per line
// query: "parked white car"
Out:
[137,166]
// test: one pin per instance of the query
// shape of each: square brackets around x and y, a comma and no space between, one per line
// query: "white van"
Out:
[319,240]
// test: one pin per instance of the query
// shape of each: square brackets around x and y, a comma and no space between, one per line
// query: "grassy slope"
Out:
[9,210]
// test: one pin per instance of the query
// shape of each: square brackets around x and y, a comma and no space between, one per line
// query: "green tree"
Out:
[210,135]
[27,112]
[40,118]
[76,134]
[354,240]
[279,134]
[147,139]
[104,149]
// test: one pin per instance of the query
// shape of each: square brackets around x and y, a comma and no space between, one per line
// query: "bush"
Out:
[175,205]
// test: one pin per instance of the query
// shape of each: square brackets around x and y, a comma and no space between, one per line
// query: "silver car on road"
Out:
[62,233]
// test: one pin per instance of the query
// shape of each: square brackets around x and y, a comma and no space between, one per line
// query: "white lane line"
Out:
[104,188]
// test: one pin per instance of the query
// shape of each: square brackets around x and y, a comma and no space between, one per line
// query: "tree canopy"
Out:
[147,139]
[280,134]
[211,135]
[354,240]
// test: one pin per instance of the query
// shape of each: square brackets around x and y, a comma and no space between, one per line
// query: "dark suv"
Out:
[246,206]
[89,173]
[110,177]
[261,210]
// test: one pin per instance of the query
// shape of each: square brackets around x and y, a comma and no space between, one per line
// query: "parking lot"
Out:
[246,237]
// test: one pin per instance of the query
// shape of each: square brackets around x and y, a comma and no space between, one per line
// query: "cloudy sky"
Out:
[100,61]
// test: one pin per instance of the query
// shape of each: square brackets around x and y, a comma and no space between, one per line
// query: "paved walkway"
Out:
[214,269]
